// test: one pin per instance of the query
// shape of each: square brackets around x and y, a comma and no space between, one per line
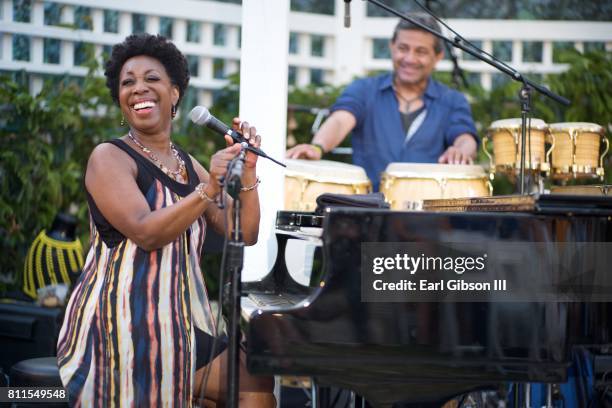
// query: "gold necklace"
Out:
[180,172]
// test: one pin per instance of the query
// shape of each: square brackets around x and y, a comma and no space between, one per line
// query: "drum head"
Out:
[326,171]
[515,123]
[434,170]
[582,126]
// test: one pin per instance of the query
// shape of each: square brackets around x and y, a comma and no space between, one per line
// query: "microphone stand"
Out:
[525,98]
[457,74]
[457,71]
[233,267]
[476,52]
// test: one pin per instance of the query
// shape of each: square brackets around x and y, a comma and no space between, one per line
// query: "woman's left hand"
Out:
[250,134]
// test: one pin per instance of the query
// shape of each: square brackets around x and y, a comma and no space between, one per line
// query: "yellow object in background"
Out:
[51,261]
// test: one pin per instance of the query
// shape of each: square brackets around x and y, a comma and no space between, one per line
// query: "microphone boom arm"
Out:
[457,42]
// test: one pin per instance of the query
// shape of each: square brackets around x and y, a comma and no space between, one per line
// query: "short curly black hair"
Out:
[155,46]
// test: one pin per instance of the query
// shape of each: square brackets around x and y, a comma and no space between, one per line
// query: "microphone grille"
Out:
[199,115]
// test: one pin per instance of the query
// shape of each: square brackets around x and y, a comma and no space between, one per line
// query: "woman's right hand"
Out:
[218,168]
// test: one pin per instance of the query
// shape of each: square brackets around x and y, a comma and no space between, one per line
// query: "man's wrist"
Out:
[318,147]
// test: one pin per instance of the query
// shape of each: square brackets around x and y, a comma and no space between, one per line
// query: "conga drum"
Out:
[506,137]
[577,149]
[305,180]
[406,185]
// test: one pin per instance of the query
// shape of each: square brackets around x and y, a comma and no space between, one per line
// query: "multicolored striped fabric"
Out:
[128,338]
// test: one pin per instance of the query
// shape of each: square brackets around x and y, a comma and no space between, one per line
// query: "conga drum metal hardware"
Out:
[305,180]
[506,137]
[406,185]
[577,151]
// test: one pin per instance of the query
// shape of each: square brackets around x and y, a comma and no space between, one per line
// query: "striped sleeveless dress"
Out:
[129,333]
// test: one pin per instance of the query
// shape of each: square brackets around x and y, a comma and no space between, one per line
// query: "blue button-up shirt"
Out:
[379,137]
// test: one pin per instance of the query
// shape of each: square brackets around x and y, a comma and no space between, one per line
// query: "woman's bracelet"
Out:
[252,187]
[200,190]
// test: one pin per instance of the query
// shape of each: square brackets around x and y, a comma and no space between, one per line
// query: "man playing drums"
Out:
[403,116]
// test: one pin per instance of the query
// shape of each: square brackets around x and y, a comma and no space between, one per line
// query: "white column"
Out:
[232,37]
[579,46]
[125,24]
[37,50]
[36,85]
[547,53]
[517,53]
[349,42]
[486,81]
[206,69]
[97,16]
[207,34]
[204,97]
[263,102]
[179,31]
[152,26]
[7,47]
[328,76]
[67,16]
[38,13]
[303,47]
[231,66]
[7,10]
[67,54]
[302,77]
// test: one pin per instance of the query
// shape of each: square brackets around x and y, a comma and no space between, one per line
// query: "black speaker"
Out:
[27,331]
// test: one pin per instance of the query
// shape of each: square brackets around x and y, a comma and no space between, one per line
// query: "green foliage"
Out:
[587,84]
[44,144]
[311,97]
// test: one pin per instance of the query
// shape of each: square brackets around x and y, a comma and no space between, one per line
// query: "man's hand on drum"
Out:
[463,151]
[304,151]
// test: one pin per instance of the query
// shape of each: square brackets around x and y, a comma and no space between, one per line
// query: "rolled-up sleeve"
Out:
[353,100]
[460,120]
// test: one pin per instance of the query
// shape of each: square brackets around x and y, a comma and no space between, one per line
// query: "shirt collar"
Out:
[432,90]
[386,82]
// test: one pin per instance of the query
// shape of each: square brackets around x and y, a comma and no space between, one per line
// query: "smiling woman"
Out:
[138,328]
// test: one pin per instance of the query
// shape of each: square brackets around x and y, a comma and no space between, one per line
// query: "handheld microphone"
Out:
[201,116]
[347,13]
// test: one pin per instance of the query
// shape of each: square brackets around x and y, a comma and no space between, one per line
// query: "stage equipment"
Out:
[305,180]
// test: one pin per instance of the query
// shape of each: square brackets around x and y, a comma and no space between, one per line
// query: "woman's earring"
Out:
[122,123]
[173,113]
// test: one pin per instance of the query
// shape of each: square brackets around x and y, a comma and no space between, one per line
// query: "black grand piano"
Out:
[426,352]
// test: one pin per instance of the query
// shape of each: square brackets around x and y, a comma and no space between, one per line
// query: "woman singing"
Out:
[138,329]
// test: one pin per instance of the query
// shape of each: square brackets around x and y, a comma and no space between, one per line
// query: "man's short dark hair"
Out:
[424,19]
[154,46]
